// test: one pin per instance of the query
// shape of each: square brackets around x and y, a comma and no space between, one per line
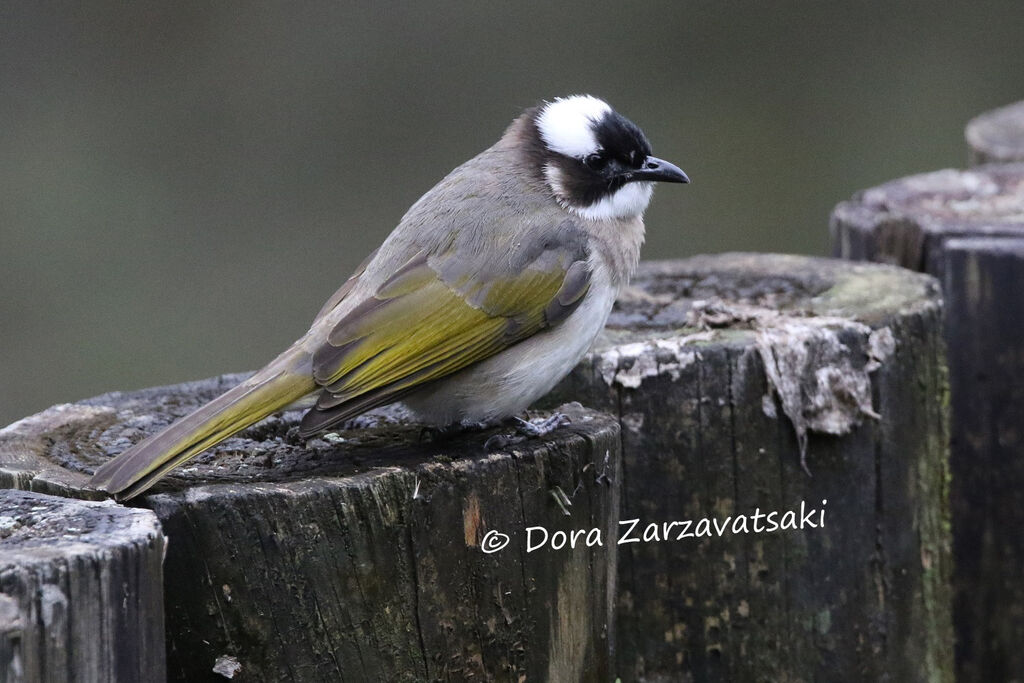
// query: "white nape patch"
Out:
[566,125]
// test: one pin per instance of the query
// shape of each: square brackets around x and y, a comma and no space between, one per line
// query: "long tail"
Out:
[284,381]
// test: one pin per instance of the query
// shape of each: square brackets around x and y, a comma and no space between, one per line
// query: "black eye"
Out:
[595,161]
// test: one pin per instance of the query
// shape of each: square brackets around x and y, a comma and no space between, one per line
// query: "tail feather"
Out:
[145,463]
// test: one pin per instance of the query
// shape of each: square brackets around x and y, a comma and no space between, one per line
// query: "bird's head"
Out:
[595,161]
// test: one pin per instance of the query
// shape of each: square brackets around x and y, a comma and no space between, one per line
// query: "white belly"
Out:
[509,382]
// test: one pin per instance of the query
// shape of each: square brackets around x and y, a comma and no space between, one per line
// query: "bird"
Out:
[492,287]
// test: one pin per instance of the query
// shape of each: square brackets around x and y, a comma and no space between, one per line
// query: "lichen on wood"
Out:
[715,366]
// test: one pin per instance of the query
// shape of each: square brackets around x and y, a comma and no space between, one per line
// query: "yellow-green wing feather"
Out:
[420,327]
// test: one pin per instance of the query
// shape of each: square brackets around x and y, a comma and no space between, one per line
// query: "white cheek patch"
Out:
[566,125]
[629,201]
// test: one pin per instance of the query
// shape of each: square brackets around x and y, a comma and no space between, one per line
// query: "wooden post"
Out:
[80,591]
[856,381]
[996,136]
[362,556]
[967,229]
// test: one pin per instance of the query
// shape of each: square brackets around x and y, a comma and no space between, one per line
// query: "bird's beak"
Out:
[658,170]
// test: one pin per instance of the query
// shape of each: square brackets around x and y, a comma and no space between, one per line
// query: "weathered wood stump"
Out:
[996,136]
[80,585]
[362,556]
[723,370]
[967,229]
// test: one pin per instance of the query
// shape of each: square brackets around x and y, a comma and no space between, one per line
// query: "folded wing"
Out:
[437,315]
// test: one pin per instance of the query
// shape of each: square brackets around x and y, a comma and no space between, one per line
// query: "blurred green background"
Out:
[183,184]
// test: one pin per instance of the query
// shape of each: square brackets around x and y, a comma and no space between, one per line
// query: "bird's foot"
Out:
[542,427]
[526,429]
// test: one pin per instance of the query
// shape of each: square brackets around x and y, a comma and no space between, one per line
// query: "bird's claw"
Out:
[526,429]
[542,427]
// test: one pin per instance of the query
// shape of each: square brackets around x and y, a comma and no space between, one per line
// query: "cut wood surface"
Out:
[80,591]
[967,229]
[907,222]
[722,371]
[359,557]
[996,136]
